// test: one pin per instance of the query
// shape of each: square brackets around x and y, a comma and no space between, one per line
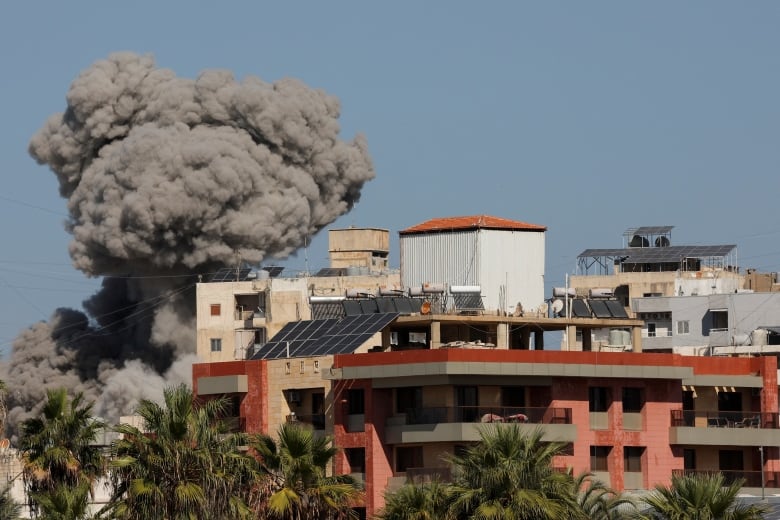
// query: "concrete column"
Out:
[636,338]
[502,336]
[571,333]
[435,334]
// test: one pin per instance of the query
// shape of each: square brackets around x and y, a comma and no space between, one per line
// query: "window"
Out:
[720,319]
[356,458]
[316,366]
[216,344]
[216,309]
[287,367]
[598,399]
[408,398]
[599,457]
[408,457]
[355,401]
[651,330]
[303,367]
[632,458]
[633,400]
[683,327]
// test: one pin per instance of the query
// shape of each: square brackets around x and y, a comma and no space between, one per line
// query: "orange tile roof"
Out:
[471,222]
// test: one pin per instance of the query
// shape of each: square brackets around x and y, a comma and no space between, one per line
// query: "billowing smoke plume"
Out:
[166,178]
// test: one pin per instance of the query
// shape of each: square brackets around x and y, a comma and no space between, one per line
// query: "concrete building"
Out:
[238,310]
[732,324]
[401,378]
[649,264]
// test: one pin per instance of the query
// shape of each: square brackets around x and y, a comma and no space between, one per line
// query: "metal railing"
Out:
[719,419]
[751,478]
[422,475]
[317,420]
[488,414]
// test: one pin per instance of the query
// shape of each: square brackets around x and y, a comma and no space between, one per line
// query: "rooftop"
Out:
[471,222]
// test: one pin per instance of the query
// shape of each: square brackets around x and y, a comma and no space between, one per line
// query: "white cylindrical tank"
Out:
[461,289]
[601,292]
[759,337]
[431,287]
[615,337]
[325,299]
[560,292]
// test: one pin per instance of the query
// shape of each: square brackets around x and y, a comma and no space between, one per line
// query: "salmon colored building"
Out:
[633,419]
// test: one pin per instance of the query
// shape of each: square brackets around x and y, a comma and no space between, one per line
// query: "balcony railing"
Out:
[717,419]
[317,420]
[501,414]
[423,475]
[752,478]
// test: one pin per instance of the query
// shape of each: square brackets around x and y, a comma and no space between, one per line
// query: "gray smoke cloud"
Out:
[165,178]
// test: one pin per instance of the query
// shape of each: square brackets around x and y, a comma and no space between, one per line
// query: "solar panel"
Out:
[230,274]
[468,301]
[599,308]
[616,309]
[293,337]
[415,304]
[385,305]
[324,310]
[652,230]
[369,306]
[579,309]
[650,255]
[403,305]
[273,270]
[332,271]
[352,307]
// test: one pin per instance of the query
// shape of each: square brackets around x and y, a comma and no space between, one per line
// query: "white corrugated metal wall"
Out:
[440,257]
[488,258]
[514,259]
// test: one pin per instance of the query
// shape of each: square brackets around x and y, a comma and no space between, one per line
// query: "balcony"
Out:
[315,421]
[234,424]
[752,478]
[717,428]
[459,423]
[423,475]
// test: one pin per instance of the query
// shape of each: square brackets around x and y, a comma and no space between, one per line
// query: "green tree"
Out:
[60,457]
[599,502]
[509,475]
[184,465]
[701,497]
[296,484]
[9,508]
[427,501]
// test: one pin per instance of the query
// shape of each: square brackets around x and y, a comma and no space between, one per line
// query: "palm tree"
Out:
[9,508]
[59,454]
[427,501]
[509,474]
[184,465]
[599,502]
[296,484]
[701,497]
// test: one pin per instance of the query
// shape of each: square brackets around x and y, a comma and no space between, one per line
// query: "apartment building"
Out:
[403,371]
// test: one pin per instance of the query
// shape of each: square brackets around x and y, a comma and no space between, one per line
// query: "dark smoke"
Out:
[165,178]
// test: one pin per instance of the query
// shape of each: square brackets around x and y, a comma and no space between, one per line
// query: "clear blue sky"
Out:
[586,117]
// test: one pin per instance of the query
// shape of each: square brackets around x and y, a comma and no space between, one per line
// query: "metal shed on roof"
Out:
[504,257]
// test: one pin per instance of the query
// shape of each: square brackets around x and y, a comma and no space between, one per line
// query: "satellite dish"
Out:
[557,306]
[425,308]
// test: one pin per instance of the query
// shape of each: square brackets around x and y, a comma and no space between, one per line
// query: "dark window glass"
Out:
[633,400]
[599,455]
[355,401]
[408,398]
[598,399]
[408,457]
[632,458]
